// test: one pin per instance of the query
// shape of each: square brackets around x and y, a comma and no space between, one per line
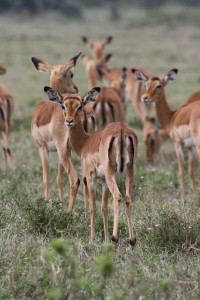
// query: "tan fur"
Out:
[182,125]
[6,113]
[108,107]
[97,46]
[105,154]
[50,133]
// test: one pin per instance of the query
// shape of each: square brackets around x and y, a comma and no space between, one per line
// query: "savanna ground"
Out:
[165,262]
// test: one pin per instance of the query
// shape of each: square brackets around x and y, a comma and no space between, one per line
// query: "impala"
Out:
[153,135]
[92,65]
[97,46]
[49,131]
[105,154]
[6,111]
[182,125]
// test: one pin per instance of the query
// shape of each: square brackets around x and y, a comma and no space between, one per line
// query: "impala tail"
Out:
[122,151]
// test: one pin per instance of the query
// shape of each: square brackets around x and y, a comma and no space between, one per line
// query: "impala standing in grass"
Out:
[50,132]
[182,125]
[105,154]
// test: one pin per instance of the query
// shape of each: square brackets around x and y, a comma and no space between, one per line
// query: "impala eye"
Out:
[79,108]
[158,86]
[71,75]
[63,107]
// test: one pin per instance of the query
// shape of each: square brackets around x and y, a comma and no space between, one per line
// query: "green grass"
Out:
[165,262]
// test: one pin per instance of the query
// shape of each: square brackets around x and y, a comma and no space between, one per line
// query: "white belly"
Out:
[51,146]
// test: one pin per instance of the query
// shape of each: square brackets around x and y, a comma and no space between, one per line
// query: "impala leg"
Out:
[6,149]
[60,179]
[129,179]
[92,193]
[104,208]
[191,168]
[179,155]
[112,185]
[65,158]
[86,196]
[45,167]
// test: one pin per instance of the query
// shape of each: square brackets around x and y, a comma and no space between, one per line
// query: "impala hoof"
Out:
[115,239]
[132,242]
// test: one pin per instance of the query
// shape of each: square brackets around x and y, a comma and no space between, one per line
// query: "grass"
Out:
[165,262]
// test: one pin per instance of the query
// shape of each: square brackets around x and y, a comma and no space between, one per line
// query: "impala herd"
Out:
[93,126]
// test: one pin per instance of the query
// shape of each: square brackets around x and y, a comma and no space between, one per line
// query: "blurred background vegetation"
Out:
[76,7]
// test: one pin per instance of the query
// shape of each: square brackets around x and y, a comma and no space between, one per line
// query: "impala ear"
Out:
[91,95]
[71,63]
[41,65]
[169,77]
[139,75]
[53,95]
[2,70]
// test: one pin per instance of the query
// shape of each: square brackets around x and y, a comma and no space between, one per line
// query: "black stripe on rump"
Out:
[112,111]
[132,149]
[121,153]
[110,146]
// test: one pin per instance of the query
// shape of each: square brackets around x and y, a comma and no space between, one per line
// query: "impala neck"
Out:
[78,137]
[164,112]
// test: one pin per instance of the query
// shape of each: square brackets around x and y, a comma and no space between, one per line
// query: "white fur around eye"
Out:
[63,107]
[157,86]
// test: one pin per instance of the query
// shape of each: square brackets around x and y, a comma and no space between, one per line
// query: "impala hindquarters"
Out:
[106,154]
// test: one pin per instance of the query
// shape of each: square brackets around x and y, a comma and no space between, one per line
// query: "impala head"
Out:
[97,46]
[154,85]
[2,70]
[72,105]
[153,140]
[60,75]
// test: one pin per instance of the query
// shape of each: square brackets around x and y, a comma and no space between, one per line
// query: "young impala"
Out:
[182,125]
[6,111]
[105,154]
[97,46]
[49,131]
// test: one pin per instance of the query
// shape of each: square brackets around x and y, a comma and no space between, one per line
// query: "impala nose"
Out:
[69,123]
[145,99]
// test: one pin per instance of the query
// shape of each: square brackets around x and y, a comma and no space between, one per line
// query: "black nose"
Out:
[69,123]
[145,99]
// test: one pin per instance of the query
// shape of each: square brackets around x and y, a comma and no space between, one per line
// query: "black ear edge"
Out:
[110,38]
[133,70]
[36,61]
[175,70]
[47,88]
[97,89]
[76,57]
[108,56]
[84,39]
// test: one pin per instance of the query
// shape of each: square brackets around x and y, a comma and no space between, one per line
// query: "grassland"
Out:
[165,262]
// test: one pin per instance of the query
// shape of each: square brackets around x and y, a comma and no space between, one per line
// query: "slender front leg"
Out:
[45,167]
[112,185]
[104,208]
[60,179]
[86,196]
[129,179]
[65,158]
[191,168]
[179,155]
